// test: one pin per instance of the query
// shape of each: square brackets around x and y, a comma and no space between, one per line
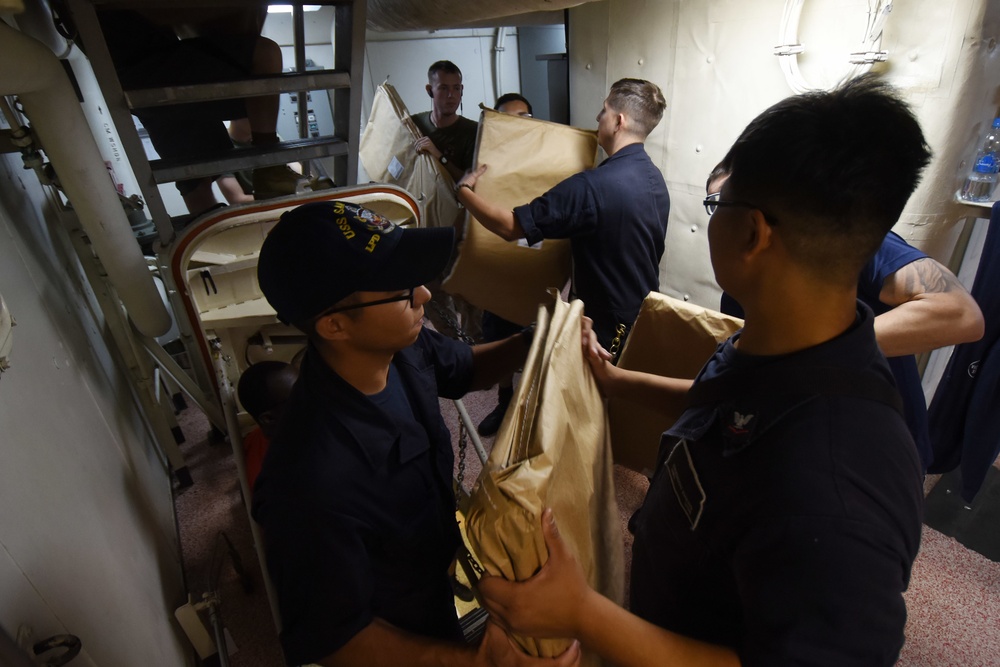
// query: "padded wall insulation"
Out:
[714,61]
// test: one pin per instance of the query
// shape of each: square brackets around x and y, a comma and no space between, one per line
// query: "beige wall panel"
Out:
[588,53]
[714,60]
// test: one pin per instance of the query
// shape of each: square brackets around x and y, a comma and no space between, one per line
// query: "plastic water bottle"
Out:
[982,179]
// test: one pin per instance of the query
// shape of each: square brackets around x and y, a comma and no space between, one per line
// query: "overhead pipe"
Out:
[29,70]
[403,15]
[36,20]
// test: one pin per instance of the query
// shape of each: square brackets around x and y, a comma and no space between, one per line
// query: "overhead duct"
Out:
[402,15]
[29,70]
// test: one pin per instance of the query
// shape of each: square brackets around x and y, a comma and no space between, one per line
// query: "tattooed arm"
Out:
[931,309]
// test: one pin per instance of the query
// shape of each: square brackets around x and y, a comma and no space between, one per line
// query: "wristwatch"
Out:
[443,159]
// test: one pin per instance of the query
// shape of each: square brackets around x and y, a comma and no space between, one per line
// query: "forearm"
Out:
[384,645]
[496,361]
[928,322]
[498,220]
[930,309]
[652,391]
[453,171]
[626,640]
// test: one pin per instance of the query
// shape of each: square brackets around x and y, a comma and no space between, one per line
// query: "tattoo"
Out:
[924,276]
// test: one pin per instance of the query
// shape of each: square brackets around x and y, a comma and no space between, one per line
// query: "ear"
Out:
[430,91]
[332,327]
[760,235]
[267,420]
[620,121]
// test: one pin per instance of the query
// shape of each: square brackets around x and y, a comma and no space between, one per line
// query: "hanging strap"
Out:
[815,380]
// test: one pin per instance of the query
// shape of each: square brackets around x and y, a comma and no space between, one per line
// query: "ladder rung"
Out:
[140,98]
[473,625]
[299,150]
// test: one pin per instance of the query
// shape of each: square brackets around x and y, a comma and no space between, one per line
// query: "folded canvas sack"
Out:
[388,156]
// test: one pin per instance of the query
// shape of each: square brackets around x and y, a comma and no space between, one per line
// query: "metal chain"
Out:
[452,321]
[463,446]
[616,343]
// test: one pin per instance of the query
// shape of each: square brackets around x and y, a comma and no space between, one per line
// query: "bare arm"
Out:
[557,602]
[663,394]
[498,220]
[492,362]
[383,645]
[931,309]
[425,145]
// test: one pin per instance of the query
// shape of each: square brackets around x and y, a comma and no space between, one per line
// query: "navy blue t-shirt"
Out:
[892,255]
[616,219]
[355,502]
[784,526]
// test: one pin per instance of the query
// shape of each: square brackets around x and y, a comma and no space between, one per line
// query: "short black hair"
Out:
[833,171]
[720,170]
[640,100]
[259,387]
[445,66]
[512,97]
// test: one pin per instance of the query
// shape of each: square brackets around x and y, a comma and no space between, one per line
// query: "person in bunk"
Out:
[263,390]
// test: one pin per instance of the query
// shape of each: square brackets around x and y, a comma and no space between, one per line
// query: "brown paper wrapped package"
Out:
[525,158]
[671,338]
[552,450]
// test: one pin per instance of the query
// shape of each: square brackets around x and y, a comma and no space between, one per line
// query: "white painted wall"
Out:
[713,59]
[403,58]
[88,544]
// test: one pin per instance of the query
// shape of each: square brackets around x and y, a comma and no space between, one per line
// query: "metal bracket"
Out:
[869,57]
[788,49]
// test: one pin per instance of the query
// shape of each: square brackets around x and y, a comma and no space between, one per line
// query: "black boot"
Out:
[491,422]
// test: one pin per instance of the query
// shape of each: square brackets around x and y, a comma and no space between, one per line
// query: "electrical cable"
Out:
[789,48]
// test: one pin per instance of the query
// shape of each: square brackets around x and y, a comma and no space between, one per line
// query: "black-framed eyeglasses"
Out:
[712,203]
[405,296]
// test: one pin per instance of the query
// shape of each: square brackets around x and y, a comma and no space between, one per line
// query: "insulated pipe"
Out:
[29,70]
[497,63]
[36,20]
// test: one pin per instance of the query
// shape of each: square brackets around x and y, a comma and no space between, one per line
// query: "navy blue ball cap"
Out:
[321,252]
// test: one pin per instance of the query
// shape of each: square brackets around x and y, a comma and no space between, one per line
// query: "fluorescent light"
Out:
[287,9]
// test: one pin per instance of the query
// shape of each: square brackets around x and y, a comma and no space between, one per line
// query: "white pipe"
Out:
[29,70]
[470,427]
[497,63]
[36,20]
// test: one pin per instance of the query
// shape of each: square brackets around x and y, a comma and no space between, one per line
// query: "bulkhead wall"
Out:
[714,60]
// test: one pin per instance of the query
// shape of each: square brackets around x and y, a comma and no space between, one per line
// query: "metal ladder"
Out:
[344,82]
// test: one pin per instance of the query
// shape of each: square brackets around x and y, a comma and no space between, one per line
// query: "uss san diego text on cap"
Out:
[319,253]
